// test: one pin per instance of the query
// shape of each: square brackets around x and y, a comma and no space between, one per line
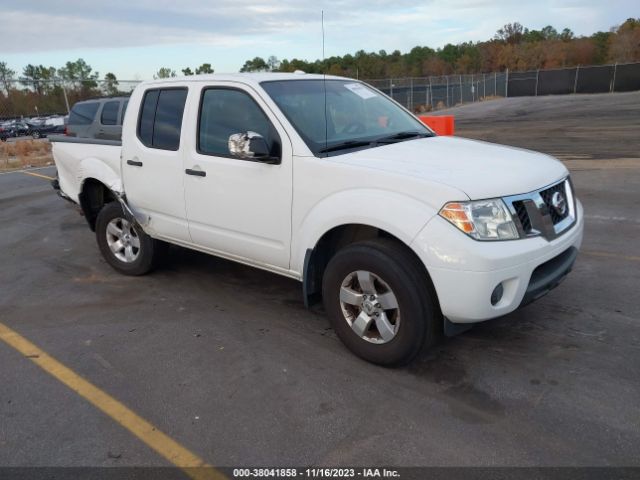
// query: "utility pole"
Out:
[484,86]
[411,93]
[447,77]
[506,84]
[575,80]
[66,99]
[430,93]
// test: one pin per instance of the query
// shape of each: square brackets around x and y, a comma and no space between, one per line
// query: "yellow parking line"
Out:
[145,431]
[633,258]
[37,175]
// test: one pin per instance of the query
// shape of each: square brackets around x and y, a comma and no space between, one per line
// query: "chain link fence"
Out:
[432,93]
[590,79]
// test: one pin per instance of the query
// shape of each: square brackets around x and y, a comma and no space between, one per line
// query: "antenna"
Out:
[324,84]
[322,22]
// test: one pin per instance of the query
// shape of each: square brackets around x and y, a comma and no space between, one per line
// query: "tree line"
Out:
[39,88]
[513,46]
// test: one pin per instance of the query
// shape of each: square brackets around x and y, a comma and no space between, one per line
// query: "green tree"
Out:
[7,76]
[164,72]
[602,41]
[110,84]
[511,33]
[79,74]
[566,35]
[187,72]
[39,77]
[204,68]
[273,63]
[549,33]
[256,65]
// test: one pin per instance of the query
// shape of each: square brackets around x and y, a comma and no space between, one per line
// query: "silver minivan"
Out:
[99,118]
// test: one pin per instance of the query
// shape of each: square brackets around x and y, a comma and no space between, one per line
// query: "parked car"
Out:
[21,128]
[99,118]
[15,128]
[47,126]
[4,133]
[402,233]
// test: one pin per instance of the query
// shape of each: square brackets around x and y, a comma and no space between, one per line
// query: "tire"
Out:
[416,323]
[139,251]
[36,134]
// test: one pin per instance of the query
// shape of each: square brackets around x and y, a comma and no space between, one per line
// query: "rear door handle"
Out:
[197,173]
[134,163]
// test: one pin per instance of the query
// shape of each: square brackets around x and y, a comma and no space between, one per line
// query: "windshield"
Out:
[357,116]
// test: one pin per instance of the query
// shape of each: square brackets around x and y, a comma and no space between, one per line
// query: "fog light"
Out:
[496,296]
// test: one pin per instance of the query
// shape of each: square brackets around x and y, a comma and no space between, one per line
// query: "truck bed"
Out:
[74,156]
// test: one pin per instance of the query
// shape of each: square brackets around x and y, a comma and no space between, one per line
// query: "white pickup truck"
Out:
[403,234]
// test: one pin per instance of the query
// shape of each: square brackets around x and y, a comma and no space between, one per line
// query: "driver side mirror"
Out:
[251,146]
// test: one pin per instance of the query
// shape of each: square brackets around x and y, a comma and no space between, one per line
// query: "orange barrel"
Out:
[442,124]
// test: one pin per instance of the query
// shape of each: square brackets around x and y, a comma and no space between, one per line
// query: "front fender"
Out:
[400,215]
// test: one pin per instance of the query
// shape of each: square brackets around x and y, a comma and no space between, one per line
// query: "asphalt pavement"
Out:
[226,360]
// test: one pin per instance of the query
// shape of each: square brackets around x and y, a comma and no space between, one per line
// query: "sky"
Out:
[134,38]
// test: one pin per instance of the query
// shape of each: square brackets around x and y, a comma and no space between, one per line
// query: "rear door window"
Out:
[83,113]
[160,118]
[109,114]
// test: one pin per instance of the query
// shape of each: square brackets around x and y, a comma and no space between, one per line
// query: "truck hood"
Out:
[479,169]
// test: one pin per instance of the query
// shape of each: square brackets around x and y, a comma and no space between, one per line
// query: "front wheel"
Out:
[122,243]
[380,302]
[36,134]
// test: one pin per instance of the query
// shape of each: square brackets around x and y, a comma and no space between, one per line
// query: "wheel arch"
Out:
[317,258]
[92,197]
[98,187]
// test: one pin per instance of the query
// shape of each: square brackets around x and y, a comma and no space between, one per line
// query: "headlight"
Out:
[482,219]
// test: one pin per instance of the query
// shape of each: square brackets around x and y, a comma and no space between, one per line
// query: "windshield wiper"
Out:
[346,145]
[397,137]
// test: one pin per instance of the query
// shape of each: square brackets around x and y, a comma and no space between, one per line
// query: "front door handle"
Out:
[197,173]
[134,163]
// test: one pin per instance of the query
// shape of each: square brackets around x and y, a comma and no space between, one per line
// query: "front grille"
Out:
[547,195]
[523,216]
[535,214]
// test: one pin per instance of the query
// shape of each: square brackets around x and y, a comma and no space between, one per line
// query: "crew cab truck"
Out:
[403,234]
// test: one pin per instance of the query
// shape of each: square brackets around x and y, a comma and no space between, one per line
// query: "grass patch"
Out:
[24,154]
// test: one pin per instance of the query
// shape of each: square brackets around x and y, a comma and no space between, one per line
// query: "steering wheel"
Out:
[355,127]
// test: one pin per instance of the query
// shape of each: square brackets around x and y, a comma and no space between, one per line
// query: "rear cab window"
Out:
[83,113]
[160,119]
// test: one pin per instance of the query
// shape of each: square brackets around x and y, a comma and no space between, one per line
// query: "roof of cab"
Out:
[247,78]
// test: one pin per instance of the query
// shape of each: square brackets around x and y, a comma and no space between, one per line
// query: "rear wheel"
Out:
[122,243]
[380,302]
[36,134]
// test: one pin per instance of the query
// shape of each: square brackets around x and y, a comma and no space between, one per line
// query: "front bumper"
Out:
[465,272]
